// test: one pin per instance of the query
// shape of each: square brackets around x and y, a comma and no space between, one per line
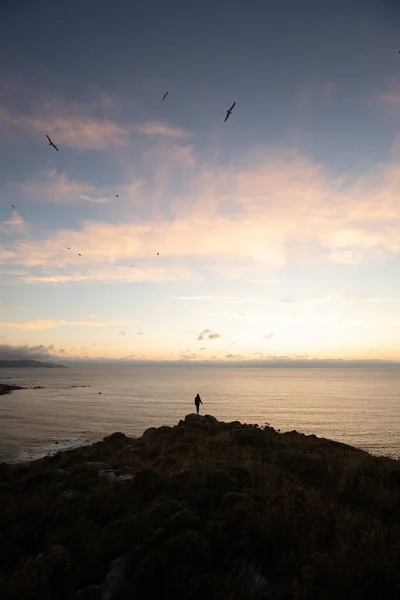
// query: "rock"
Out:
[109,474]
[257,582]
[90,592]
[126,477]
[201,420]
[5,388]
[210,419]
[69,494]
[115,437]
[116,578]
[150,431]
[56,556]
[97,464]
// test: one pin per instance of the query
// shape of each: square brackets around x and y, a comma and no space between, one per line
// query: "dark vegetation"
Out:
[203,510]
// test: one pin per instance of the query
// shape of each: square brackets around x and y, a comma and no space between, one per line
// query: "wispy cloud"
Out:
[391,97]
[37,324]
[163,129]
[74,131]
[15,224]
[291,212]
[113,275]
[268,336]
[52,185]
[207,334]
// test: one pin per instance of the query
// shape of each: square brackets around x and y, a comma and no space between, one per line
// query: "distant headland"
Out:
[29,363]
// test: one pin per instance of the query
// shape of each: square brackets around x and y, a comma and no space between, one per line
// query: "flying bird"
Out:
[68,248]
[79,254]
[13,206]
[229,112]
[165,95]
[117,196]
[51,143]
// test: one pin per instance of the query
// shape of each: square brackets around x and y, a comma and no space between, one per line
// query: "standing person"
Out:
[197,402]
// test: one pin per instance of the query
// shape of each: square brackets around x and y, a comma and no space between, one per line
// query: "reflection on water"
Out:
[357,406]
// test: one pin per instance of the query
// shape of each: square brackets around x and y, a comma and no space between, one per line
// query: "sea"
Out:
[77,406]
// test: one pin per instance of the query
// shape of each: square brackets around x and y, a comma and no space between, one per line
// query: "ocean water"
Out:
[358,406]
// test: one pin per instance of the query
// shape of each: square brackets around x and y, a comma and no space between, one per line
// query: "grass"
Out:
[205,509]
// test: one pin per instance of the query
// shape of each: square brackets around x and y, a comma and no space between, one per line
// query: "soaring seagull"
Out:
[165,95]
[51,143]
[229,111]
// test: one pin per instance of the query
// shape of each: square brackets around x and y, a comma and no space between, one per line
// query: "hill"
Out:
[29,363]
[222,511]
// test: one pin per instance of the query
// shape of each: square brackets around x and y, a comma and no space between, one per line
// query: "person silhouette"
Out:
[197,402]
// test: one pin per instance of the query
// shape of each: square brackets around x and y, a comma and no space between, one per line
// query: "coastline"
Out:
[6,388]
[225,510]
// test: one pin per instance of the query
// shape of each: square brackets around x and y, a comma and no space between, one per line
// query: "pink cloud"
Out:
[15,224]
[114,275]
[55,186]
[158,128]
[83,132]
[273,209]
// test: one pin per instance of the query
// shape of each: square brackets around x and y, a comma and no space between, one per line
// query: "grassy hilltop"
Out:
[202,510]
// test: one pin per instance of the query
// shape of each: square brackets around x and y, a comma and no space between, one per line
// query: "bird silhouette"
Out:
[165,95]
[229,112]
[117,196]
[13,206]
[79,254]
[68,248]
[51,143]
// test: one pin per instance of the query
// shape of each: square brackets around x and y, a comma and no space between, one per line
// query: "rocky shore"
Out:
[204,509]
[5,388]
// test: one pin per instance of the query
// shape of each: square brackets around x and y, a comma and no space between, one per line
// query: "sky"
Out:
[159,231]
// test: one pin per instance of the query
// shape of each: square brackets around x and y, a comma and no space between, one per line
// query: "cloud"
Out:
[158,128]
[391,98]
[268,336]
[70,130]
[291,212]
[234,356]
[15,224]
[37,324]
[140,333]
[189,356]
[122,333]
[110,275]
[207,334]
[8,352]
[51,185]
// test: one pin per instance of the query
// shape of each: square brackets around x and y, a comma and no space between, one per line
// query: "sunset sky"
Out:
[278,231]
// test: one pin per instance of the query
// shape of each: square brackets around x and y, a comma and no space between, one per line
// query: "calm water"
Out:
[357,406]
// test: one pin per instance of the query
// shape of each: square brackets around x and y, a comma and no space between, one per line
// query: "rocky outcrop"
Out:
[203,509]
[5,388]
